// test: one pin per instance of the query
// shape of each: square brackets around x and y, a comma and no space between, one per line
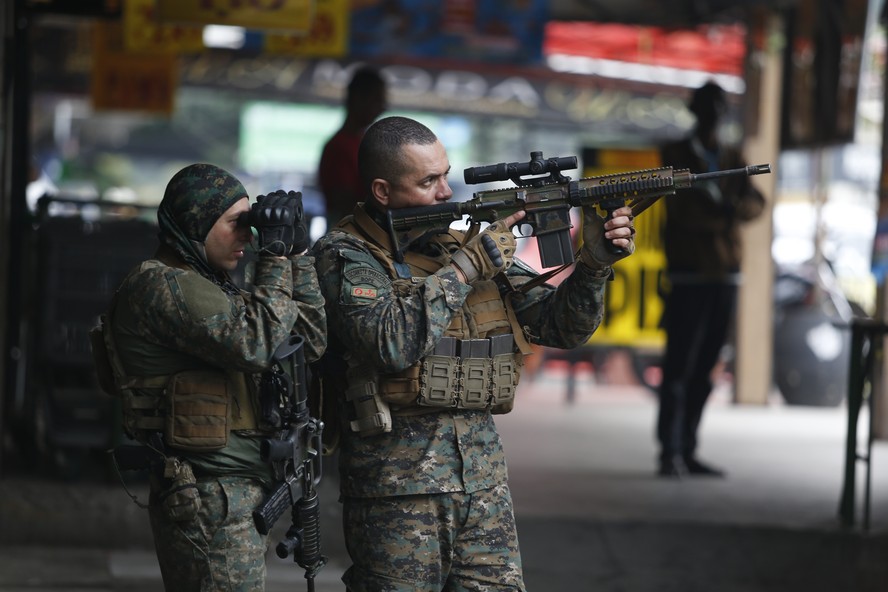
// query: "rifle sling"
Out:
[546,276]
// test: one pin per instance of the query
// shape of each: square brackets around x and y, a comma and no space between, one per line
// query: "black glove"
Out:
[279,218]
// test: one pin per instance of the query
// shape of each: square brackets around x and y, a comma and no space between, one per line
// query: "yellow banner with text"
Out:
[284,15]
[327,35]
[633,304]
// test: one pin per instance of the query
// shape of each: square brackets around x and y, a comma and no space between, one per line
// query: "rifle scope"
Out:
[513,171]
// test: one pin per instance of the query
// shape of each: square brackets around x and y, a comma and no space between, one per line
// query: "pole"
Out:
[16,169]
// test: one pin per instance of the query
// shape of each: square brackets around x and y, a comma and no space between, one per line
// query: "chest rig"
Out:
[476,365]
[194,410]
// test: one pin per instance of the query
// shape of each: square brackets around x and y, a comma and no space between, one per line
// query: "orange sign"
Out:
[130,81]
[288,15]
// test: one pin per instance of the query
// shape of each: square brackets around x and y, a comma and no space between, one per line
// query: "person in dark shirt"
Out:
[338,176]
[703,253]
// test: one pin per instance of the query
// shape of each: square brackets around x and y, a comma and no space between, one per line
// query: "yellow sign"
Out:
[143,33]
[633,304]
[287,15]
[327,37]
[130,81]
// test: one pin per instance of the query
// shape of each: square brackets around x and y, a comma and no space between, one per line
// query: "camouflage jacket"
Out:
[170,318]
[452,450]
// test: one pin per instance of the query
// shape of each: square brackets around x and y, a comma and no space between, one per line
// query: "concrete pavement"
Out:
[591,513]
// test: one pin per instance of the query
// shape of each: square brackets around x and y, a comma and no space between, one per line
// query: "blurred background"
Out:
[104,100]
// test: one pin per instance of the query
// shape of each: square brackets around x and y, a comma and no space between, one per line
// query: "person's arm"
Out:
[747,202]
[710,207]
[311,323]
[562,317]
[567,316]
[186,312]
[389,326]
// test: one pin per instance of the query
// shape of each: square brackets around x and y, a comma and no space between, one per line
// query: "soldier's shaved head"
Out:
[380,155]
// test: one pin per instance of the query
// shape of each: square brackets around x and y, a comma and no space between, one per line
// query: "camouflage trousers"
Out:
[220,549]
[448,541]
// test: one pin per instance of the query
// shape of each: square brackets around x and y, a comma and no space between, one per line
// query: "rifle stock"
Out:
[547,201]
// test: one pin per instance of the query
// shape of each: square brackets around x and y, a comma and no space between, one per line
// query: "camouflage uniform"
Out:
[175,313]
[427,505]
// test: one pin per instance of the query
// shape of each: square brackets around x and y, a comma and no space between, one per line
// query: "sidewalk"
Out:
[591,513]
[785,464]
[590,508]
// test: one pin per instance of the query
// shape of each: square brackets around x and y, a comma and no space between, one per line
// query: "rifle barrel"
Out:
[753,169]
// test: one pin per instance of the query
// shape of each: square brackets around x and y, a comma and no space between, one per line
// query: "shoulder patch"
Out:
[367,276]
[362,278]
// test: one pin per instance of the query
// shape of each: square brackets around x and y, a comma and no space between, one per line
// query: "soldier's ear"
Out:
[381,191]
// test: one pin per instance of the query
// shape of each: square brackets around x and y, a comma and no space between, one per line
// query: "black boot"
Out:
[697,467]
[672,467]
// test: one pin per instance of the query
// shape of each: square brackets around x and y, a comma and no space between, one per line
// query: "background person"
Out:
[190,345]
[703,253]
[426,505]
[338,175]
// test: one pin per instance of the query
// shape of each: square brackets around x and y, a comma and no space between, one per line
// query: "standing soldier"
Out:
[422,354]
[186,345]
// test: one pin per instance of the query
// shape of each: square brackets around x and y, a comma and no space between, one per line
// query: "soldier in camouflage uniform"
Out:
[429,348]
[179,316]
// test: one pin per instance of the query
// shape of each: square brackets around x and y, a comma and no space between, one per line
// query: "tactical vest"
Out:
[476,365]
[193,409]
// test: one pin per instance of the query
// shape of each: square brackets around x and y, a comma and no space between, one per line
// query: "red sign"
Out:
[712,48]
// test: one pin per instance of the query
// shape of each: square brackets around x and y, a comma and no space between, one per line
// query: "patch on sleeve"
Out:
[362,282]
[366,276]
[364,292]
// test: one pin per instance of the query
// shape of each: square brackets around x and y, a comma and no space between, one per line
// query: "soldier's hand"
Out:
[279,220]
[607,240]
[489,253]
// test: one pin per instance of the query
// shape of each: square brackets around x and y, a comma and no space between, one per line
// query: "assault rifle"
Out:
[547,196]
[295,456]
